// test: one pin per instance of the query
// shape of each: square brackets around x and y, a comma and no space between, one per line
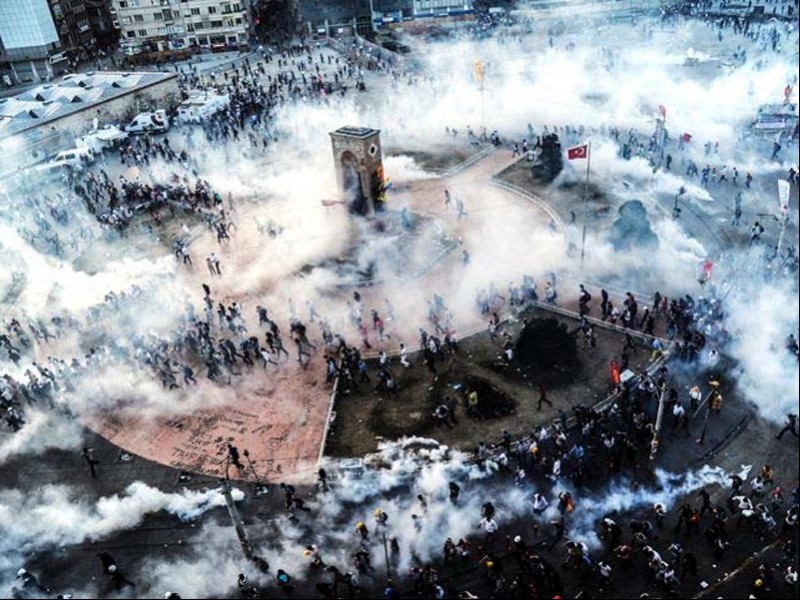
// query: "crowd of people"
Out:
[221,341]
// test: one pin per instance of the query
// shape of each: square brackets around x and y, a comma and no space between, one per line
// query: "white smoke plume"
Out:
[42,431]
[391,480]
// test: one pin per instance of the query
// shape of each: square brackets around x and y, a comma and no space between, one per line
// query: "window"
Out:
[127,20]
[212,10]
[138,18]
[195,11]
[216,24]
[158,16]
[143,33]
[131,34]
[190,27]
[122,4]
[237,7]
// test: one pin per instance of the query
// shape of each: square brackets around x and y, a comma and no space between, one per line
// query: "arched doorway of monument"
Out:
[354,191]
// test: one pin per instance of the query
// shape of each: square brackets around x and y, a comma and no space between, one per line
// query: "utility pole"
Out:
[236,518]
[654,445]
[386,556]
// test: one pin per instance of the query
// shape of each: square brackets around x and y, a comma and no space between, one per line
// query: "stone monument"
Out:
[358,159]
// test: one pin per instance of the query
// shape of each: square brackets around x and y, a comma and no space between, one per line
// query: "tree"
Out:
[275,19]
[547,349]
[632,229]
[550,162]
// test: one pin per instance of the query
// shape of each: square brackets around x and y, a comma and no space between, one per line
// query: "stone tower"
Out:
[358,160]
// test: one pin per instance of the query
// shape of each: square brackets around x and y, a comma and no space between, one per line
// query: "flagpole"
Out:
[482,105]
[586,200]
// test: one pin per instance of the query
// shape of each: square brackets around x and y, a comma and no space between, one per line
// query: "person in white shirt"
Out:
[540,503]
[404,356]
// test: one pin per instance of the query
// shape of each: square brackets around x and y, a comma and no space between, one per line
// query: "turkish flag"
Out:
[662,109]
[578,152]
[687,137]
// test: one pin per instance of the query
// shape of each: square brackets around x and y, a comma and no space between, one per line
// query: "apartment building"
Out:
[72,23]
[166,25]
[216,24]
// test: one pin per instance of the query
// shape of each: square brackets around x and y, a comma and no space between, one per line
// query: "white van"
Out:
[201,106]
[76,158]
[156,122]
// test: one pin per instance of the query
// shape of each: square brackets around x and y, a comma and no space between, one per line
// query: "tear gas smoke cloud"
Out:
[760,318]
[54,516]
[42,431]
[393,478]
[549,87]
[621,498]
[525,84]
[53,285]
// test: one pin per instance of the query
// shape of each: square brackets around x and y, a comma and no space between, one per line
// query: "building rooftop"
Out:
[75,92]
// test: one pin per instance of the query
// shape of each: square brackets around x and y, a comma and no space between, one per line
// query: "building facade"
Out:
[368,15]
[99,14]
[71,19]
[168,25]
[441,8]
[28,40]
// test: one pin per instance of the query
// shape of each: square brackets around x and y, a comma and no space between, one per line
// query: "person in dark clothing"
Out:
[543,398]
[88,456]
[455,490]
[604,305]
[233,456]
[111,569]
[706,497]
[790,426]
[630,344]
[688,565]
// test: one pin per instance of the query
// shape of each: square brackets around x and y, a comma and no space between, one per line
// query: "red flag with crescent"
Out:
[578,152]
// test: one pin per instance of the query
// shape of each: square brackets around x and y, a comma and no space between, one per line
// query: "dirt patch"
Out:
[492,401]
[507,394]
